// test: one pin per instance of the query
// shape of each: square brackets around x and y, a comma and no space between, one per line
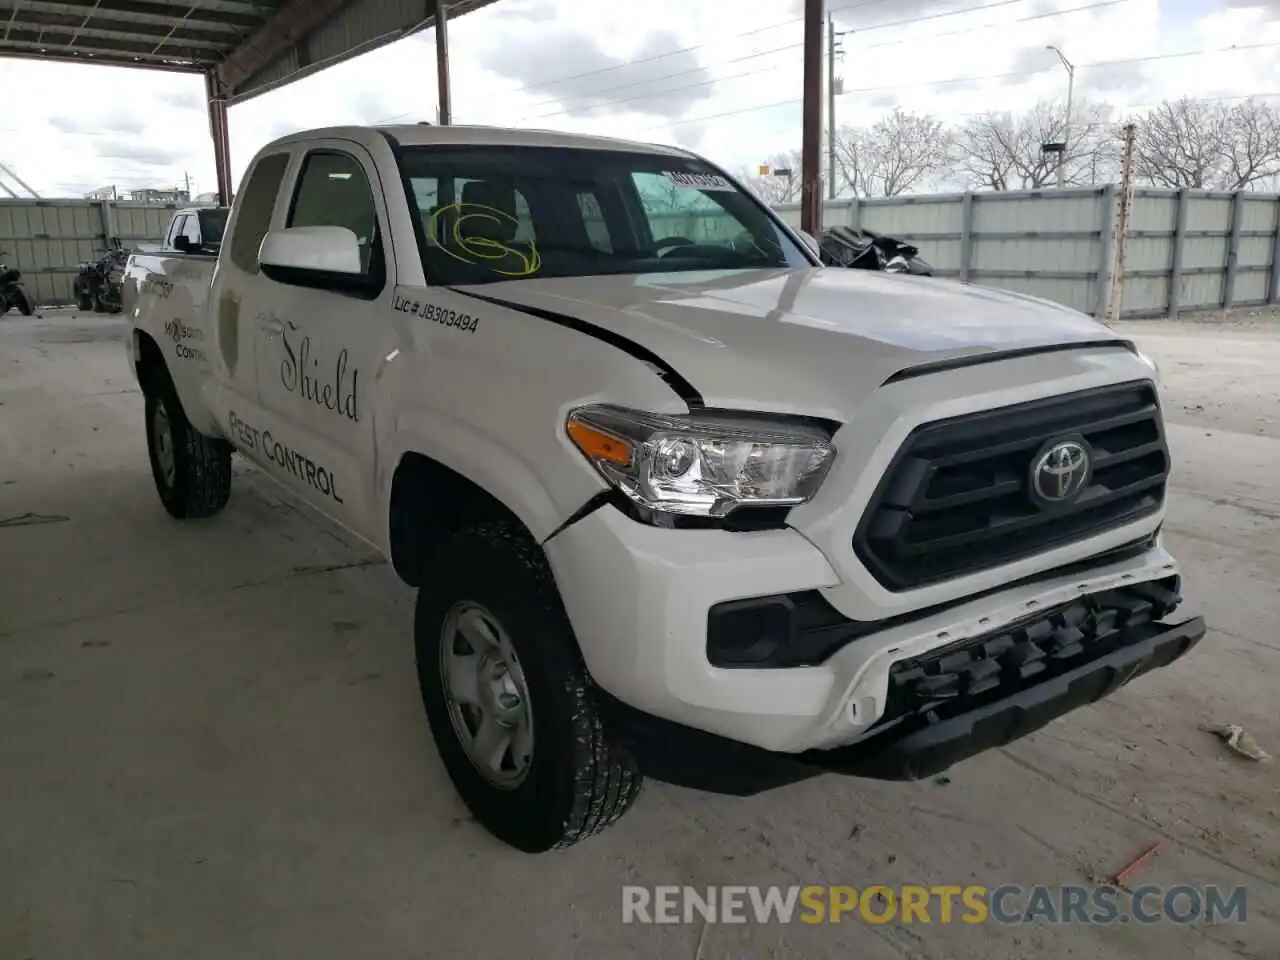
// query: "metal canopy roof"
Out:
[249,46]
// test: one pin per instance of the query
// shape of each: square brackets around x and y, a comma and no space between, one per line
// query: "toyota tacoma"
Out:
[678,501]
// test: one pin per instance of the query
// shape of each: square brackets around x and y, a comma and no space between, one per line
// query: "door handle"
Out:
[272,326]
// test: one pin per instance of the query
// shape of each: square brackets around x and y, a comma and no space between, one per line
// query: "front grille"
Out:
[956,499]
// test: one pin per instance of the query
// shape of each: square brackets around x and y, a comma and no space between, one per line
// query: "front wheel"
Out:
[84,301]
[192,472]
[510,705]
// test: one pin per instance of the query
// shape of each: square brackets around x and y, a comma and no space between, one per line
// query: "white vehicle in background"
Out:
[678,501]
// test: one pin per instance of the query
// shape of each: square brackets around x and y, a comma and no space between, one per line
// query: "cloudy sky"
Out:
[719,76]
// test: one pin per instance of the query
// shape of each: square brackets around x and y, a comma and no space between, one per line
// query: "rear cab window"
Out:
[257,202]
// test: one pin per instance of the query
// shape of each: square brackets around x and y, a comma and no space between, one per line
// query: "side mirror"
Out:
[181,243]
[812,241]
[310,250]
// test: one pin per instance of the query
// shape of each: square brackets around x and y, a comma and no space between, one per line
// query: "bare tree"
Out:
[1253,149]
[772,188]
[893,155]
[1001,151]
[1207,145]
[1181,143]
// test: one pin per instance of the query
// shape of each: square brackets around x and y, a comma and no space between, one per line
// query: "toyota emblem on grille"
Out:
[1060,472]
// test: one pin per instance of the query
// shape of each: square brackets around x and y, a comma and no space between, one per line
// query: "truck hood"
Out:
[814,341]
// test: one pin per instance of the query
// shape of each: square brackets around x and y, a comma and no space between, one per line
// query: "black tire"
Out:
[95,301]
[84,302]
[200,482]
[22,300]
[579,781]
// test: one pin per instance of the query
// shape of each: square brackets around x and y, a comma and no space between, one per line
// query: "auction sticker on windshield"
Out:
[698,181]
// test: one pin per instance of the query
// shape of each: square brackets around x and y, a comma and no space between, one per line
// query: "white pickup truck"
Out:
[678,500]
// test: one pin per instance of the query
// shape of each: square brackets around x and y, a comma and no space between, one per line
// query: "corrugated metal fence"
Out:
[1184,250]
[48,239]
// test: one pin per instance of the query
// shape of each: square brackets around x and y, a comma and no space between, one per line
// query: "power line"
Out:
[543,84]
[755,56]
[992,76]
[1222,98]
[989,26]
[697,46]
[794,46]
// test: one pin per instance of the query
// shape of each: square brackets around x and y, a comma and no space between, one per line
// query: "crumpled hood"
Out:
[802,340]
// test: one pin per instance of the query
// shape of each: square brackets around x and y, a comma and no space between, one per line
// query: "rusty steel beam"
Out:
[55,26]
[811,136]
[444,115]
[221,136]
[294,22]
[94,49]
[133,11]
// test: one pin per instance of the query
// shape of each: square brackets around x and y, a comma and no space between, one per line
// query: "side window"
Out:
[257,203]
[691,214]
[191,230]
[175,231]
[333,191]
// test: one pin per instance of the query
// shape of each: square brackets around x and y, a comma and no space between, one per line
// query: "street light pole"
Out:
[1066,126]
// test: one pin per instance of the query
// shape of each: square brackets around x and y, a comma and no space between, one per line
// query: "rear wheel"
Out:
[84,302]
[192,472]
[510,705]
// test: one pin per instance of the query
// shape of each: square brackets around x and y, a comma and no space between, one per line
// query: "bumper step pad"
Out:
[988,691]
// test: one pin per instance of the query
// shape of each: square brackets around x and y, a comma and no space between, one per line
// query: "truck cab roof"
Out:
[420,134]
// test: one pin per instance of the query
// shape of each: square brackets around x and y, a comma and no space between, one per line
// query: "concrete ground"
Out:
[211,744]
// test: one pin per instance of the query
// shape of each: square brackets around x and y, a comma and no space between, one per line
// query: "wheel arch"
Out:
[149,363]
[428,501]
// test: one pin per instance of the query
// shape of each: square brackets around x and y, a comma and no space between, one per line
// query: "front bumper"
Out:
[638,598]
[936,739]
[1075,663]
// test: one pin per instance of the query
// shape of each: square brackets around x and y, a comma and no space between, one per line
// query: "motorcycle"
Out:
[11,292]
[867,250]
[97,286]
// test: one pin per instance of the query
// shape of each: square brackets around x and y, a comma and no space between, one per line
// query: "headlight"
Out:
[1150,362]
[702,465]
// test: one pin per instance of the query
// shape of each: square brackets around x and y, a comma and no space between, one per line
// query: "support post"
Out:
[855,213]
[966,235]
[1175,266]
[1110,223]
[1115,299]
[108,211]
[831,108]
[1273,294]
[221,138]
[1233,251]
[811,139]
[445,112]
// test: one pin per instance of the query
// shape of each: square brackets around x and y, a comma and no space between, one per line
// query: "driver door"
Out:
[319,350]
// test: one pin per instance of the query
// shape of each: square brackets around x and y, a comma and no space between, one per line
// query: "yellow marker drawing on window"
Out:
[483,248]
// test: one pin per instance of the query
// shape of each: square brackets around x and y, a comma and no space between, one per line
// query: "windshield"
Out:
[504,213]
